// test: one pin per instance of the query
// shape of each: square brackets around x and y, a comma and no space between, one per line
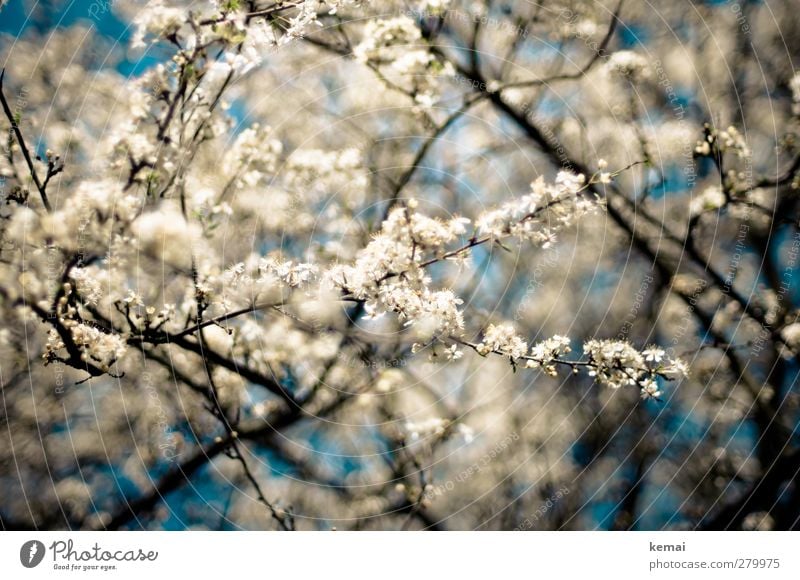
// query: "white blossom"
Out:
[628,64]
[732,139]
[420,430]
[253,156]
[791,334]
[653,353]
[710,199]
[382,35]
[617,363]
[649,388]
[504,338]
[545,353]
[158,21]
[293,274]
[538,216]
[614,363]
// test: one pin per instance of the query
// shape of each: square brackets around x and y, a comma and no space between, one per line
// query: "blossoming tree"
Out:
[400,265]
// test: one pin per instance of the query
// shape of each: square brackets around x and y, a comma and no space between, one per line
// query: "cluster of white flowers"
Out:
[309,164]
[133,300]
[540,214]
[307,16]
[728,140]
[258,279]
[616,363]
[435,427]
[313,189]
[253,155]
[291,273]
[133,145]
[629,64]
[87,284]
[99,347]
[258,38]
[279,347]
[102,347]
[389,252]
[388,273]
[712,198]
[434,311]
[732,139]
[414,62]
[140,95]
[397,42]
[579,27]
[96,212]
[650,389]
[433,233]
[612,363]
[791,334]
[502,338]
[382,37]
[396,249]
[207,210]
[670,140]
[544,354]
[157,21]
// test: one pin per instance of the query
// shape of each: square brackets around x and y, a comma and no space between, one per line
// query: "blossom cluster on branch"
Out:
[279,228]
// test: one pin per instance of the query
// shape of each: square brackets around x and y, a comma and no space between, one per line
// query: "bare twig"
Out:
[21,140]
[283,517]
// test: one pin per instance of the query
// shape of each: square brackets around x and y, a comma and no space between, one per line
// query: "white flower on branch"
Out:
[543,212]
[617,363]
[383,35]
[710,199]
[396,44]
[253,156]
[614,363]
[291,273]
[791,334]
[503,337]
[611,362]
[544,354]
[629,64]
[732,140]
[653,353]
[157,21]
[649,388]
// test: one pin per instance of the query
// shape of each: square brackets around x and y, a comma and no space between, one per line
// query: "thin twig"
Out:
[585,69]
[23,147]
[283,517]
